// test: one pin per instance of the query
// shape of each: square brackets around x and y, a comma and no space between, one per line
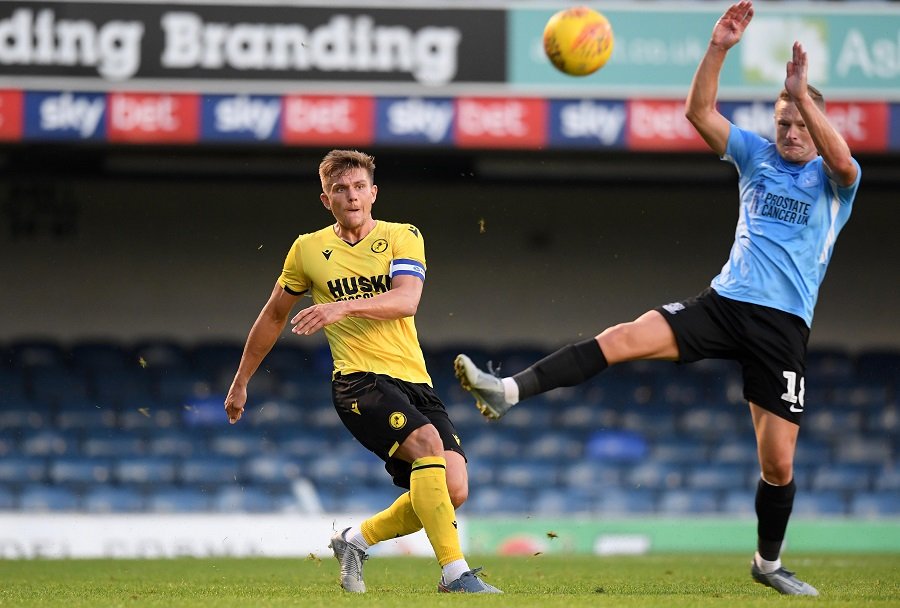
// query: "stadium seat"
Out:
[178,500]
[239,442]
[496,501]
[735,451]
[37,352]
[80,471]
[273,413]
[811,452]
[707,423]
[719,476]
[106,499]
[625,502]
[9,500]
[863,450]
[111,443]
[563,501]
[44,498]
[212,359]
[842,477]
[688,502]
[679,451]
[246,499]
[49,442]
[589,475]
[288,361]
[615,446]
[887,479]
[586,417]
[145,471]
[175,443]
[301,442]
[210,471]
[51,384]
[655,475]
[369,500]
[84,413]
[23,416]
[271,469]
[106,356]
[12,386]
[123,387]
[816,503]
[17,469]
[652,423]
[740,502]
[494,443]
[872,505]
[527,474]
[827,364]
[159,354]
[878,363]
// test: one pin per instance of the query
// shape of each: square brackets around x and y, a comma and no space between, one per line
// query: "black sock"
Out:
[570,365]
[773,509]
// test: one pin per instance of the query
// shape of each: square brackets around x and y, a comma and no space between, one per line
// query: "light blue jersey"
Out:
[790,216]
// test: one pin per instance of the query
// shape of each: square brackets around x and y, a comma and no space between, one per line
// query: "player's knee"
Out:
[423,442]
[778,472]
[617,342]
[459,493]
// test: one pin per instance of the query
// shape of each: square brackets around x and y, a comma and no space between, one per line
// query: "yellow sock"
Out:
[397,520]
[431,502]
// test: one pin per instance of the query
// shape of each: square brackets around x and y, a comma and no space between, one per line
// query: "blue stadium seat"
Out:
[123,387]
[863,450]
[51,384]
[175,443]
[9,501]
[875,504]
[49,442]
[719,476]
[107,356]
[178,500]
[679,451]
[301,442]
[527,474]
[741,502]
[536,413]
[341,469]
[84,413]
[494,443]
[886,479]
[651,422]
[842,477]
[145,471]
[156,355]
[555,446]
[180,386]
[816,503]
[215,358]
[210,471]
[271,469]
[37,352]
[111,443]
[736,451]
[626,501]
[80,471]
[656,475]
[688,502]
[828,364]
[239,442]
[273,413]
[811,452]
[149,414]
[369,500]
[878,363]
[586,474]
[586,417]
[482,471]
[12,386]
[494,501]
[615,446]
[107,499]
[563,501]
[44,498]
[288,361]
[18,469]
[246,499]
[710,422]
[866,394]
[24,415]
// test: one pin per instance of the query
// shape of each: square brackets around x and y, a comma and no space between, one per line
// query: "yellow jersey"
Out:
[331,270]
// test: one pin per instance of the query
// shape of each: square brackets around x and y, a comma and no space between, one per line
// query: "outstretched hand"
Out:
[795,81]
[234,403]
[731,25]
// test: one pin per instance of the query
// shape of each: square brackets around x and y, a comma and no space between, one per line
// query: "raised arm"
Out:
[700,107]
[829,143]
[265,331]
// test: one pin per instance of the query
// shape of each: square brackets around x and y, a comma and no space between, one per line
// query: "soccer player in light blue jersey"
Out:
[795,196]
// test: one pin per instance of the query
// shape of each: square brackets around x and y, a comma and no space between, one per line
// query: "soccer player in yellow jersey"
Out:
[365,277]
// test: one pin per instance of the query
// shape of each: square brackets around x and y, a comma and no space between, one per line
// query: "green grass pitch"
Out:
[672,580]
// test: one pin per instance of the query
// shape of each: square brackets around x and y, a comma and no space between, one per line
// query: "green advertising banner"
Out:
[854,52]
[508,536]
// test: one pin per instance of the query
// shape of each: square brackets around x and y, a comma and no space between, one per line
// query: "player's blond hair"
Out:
[814,94]
[338,162]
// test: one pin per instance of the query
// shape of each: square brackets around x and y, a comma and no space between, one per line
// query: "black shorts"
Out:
[769,344]
[382,411]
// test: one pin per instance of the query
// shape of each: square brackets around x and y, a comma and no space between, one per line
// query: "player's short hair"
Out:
[338,162]
[814,93]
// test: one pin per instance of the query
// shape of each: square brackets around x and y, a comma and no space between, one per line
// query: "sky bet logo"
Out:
[241,118]
[65,116]
[415,120]
[353,288]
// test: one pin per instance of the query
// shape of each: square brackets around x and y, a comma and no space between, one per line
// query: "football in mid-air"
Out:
[578,40]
